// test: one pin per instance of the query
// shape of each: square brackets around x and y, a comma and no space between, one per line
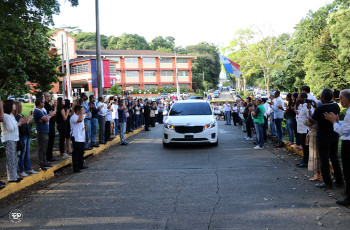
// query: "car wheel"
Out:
[166,145]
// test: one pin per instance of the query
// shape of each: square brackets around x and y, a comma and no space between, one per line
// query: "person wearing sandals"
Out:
[9,137]
[25,131]
[61,120]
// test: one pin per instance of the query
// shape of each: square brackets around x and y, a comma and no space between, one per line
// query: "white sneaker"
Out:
[65,156]
[250,139]
[258,147]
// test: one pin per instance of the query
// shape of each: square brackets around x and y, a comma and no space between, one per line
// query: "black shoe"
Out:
[42,166]
[16,181]
[303,165]
[103,142]
[338,184]
[299,163]
[110,139]
[84,167]
[76,171]
[95,146]
[124,143]
[345,202]
[2,186]
[89,148]
[147,129]
[54,159]
[323,185]
[2,183]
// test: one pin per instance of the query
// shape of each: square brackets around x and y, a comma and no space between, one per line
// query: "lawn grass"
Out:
[27,107]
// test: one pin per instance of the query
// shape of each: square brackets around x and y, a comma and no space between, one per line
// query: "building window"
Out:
[165,60]
[131,60]
[166,73]
[116,59]
[149,60]
[181,60]
[150,86]
[82,68]
[182,73]
[169,86]
[149,73]
[135,87]
[111,68]
[131,73]
[185,86]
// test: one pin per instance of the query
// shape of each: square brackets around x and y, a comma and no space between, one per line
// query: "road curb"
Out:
[50,172]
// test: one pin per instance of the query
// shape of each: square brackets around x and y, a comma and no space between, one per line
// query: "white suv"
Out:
[190,121]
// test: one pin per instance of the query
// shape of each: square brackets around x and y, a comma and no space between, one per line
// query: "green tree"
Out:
[161,44]
[87,40]
[207,61]
[132,42]
[115,89]
[24,50]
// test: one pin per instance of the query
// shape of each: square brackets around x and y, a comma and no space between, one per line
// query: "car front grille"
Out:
[189,129]
[185,140]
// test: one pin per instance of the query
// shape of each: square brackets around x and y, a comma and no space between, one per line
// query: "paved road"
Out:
[224,95]
[143,186]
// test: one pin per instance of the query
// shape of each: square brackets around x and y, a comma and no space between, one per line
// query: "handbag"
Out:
[20,144]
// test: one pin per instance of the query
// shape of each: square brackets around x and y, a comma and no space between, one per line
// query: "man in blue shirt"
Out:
[42,127]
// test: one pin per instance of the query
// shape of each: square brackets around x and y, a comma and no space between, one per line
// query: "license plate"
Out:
[188,136]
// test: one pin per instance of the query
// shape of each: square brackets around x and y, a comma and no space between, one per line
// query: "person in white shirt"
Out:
[343,129]
[227,113]
[78,137]
[9,137]
[102,112]
[234,114]
[109,119]
[306,89]
[304,112]
[115,116]
[277,107]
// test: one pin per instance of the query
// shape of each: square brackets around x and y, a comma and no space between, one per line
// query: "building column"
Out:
[158,77]
[90,86]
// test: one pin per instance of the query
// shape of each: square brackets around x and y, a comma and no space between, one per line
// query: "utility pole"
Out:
[177,77]
[205,88]
[69,90]
[98,51]
[63,78]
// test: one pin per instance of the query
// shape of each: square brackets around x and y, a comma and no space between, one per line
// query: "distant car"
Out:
[195,97]
[264,95]
[216,94]
[232,91]
[23,98]
[190,121]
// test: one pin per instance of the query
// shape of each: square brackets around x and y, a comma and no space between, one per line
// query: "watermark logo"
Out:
[16,216]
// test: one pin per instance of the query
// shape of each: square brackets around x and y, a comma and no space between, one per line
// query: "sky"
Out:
[188,21]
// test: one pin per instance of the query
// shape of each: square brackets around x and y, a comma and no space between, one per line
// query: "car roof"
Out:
[192,101]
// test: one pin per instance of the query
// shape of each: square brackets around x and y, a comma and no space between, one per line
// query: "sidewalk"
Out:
[49,173]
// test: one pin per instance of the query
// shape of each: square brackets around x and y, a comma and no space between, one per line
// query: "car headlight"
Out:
[169,126]
[209,126]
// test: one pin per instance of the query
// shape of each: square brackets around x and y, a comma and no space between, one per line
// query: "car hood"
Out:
[190,120]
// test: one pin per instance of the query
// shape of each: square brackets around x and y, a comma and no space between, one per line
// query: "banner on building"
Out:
[105,74]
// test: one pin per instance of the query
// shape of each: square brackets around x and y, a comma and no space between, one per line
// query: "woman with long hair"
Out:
[25,131]
[67,106]
[9,137]
[61,120]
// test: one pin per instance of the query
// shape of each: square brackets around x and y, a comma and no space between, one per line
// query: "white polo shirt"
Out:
[77,129]
[115,112]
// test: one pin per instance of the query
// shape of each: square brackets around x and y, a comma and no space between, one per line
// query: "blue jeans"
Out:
[290,129]
[94,122]
[228,117]
[115,127]
[278,123]
[259,128]
[87,133]
[122,127]
[137,118]
[24,158]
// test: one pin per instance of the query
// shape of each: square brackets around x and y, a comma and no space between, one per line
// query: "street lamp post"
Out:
[98,51]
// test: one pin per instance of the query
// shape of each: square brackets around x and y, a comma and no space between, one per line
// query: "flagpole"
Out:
[98,51]
[63,78]
[69,90]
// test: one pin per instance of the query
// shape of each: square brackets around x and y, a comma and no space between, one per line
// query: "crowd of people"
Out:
[312,127]
[78,124]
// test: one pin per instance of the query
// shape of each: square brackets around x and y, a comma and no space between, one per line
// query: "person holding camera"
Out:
[327,140]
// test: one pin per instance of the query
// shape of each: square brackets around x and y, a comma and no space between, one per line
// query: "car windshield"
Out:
[184,109]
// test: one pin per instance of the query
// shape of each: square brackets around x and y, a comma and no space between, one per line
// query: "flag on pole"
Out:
[105,74]
[230,66]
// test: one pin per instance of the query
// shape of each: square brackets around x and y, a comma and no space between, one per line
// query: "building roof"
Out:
[129,53]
